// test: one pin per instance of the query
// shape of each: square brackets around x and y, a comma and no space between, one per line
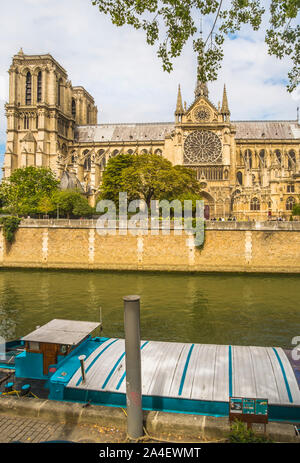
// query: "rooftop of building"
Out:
[147,131]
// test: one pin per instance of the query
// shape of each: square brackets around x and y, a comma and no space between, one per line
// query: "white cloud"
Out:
[124,74]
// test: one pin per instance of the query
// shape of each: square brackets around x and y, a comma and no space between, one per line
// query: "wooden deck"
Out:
[204,372]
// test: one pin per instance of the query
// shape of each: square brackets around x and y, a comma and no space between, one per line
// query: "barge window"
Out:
[34,345]
[63,349]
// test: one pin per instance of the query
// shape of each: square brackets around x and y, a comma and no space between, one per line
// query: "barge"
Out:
[176,377]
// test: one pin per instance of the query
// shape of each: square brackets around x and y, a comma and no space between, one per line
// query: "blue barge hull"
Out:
[182,378]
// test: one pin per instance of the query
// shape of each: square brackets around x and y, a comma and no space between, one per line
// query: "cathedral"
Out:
[249,170]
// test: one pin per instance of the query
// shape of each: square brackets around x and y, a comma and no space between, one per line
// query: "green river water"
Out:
[238,309]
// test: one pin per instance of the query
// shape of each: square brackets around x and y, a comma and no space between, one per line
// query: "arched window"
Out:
[73,154]
[262,159]
[254,204]
[158,151]
[278,156]
[26,122]
[87,161]
[248,158]
[59,89]
[88,114]
[130,152]
[290,202]
[291,159]
[73,108]
[64,149]
[28,89]
[39,87]
[239,177]
[115,152]
[290,188]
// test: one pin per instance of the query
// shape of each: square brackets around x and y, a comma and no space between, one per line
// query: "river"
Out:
[240,309]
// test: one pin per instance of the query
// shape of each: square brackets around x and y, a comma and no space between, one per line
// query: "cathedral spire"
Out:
[201,86]
[179,108]
[225,108]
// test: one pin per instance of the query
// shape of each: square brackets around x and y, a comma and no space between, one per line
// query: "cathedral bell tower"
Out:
[42,112]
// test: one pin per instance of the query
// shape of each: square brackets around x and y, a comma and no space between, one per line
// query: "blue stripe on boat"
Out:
[112,370]
[284,376]
[95,359]
[124,374]
[185,369]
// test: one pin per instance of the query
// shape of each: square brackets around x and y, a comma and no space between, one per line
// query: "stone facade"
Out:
[246,169]
[42,113]
[229,247]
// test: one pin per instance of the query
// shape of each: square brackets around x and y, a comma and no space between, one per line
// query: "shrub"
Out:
[240,434]
[10,226]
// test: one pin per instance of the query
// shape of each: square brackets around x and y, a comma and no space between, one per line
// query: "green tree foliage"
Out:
[23,191]
[148,177]
[296,209]
[170,24]
[112,181]
[71,203]
[46,205]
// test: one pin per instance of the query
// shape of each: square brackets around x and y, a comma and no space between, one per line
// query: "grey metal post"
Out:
[133,366]
[81,358]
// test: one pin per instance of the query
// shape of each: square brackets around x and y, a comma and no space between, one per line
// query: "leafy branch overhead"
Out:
[171,23]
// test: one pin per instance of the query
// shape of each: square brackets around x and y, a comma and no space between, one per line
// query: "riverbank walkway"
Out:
[33,430]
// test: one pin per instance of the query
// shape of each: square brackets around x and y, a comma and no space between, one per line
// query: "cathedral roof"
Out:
[269,130]
[69,181]
[157,131]
[124,132]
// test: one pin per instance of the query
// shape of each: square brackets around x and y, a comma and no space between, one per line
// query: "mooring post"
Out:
[133,366]
[81,358]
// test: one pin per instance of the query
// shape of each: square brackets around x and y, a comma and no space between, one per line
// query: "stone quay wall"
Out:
[229,247]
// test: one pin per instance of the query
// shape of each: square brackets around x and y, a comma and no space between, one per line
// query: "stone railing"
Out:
[210,224]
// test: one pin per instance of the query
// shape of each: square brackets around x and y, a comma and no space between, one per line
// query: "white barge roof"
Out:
[194,371]
[60,331]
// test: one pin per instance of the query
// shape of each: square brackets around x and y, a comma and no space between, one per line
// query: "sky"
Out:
[124,74]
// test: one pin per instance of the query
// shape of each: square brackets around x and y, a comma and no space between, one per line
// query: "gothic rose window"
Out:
[202,146]
[202,113]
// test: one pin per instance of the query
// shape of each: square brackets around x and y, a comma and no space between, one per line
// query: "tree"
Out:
[71,202]
[296,209]
[111,184]
[46,205]
[22,192]
[149,177]
[175,20]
